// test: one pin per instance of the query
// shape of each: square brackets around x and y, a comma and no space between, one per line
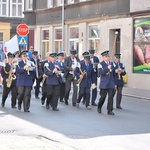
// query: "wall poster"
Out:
[141,46]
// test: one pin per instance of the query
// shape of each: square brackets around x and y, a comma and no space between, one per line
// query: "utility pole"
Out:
[63,22]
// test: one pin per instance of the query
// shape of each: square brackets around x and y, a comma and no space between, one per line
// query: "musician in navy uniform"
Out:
[107,83]
[120,72]
[60,63]
[37,78]
[9,81]
[44,76]
[53,82]
[70,65]
[95,61]
[26,71]
[84,74]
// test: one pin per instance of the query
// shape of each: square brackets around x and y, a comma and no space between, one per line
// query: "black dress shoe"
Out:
[74,104]
[26,110]
[110,113]
[66,102]
[83,102]
[55,109]
[2,104]
[37,97]
[47,106]
[99,110]
[94,104]
[62,100]
[14,107]
[119,107]
[19,107]
[42,102]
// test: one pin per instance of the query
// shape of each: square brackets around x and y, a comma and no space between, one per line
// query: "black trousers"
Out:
[53,92]
[118,95]
[94,95]
[84,91]
[103,94]
[70,79]
[24,95]
[62,91]
[37,87]
[6,91]
[44,92]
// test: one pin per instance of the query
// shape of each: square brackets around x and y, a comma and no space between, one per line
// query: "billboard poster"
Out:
[141,46]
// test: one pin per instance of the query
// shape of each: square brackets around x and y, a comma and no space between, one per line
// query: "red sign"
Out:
[22,30]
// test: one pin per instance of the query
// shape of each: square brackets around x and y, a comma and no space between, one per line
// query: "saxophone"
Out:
[11,76]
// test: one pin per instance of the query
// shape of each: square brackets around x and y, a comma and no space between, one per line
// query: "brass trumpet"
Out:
[79,80]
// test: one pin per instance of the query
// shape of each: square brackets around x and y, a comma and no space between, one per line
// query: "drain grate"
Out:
[7,131]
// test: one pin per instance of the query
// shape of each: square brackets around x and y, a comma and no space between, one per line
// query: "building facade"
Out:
[11,11]
[92,24]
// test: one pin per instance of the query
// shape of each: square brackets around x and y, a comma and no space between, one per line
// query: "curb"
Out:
[140,97]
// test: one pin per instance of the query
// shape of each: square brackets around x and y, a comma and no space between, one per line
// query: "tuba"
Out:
[11,76]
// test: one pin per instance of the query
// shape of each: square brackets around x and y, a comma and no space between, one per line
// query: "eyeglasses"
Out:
[24,55]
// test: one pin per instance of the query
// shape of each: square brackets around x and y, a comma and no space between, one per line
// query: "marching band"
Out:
[55,75]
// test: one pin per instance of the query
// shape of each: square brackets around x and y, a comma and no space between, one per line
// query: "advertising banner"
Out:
[141,46]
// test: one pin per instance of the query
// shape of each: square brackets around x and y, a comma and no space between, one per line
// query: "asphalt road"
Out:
[76,128]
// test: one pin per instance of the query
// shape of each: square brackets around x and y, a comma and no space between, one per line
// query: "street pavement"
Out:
[77,128]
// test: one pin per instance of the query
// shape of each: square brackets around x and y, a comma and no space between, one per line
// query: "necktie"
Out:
[87,66]
[72,62]
[36,65]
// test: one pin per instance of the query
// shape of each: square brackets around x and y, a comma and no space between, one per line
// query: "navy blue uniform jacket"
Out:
[88,77]
[23,79]
[120,82]
[107,78]
[52,78]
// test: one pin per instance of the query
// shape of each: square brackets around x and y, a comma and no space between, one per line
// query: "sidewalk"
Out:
[137,93]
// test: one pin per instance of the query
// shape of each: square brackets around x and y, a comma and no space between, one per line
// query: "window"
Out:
[1,37]
[4,7]
[74,38]
[29,4]
[45,42]
[16,8]
[70,1]
[57,3]
[94,39]
[74,32]
[82,0]
[50,3]
[58,40]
